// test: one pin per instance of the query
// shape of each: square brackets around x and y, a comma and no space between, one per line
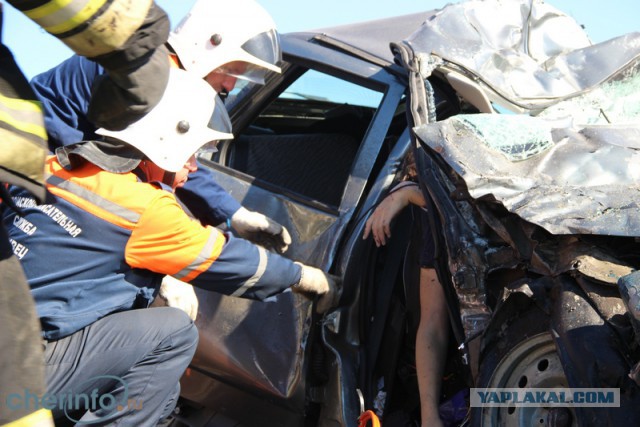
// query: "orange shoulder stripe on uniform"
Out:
[116,198]
[166,240]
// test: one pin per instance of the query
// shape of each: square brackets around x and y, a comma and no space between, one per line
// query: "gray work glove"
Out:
[261,230]
[315,281]
[178,294]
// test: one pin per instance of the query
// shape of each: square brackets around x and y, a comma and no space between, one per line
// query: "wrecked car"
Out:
[526,140]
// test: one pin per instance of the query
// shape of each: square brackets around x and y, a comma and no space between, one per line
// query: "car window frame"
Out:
[299,55]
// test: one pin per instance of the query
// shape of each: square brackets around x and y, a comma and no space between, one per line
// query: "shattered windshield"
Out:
[517,137]
[616,101]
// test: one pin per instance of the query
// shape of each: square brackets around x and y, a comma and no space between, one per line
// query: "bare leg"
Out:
[431,345]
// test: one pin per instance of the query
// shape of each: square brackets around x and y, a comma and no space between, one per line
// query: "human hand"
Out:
[315,281]
[261,230]
[379,223]
[178,294]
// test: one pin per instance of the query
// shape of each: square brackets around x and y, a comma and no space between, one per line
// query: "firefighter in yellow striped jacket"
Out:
[127,39]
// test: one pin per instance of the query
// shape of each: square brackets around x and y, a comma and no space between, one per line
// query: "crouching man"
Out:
[95,253]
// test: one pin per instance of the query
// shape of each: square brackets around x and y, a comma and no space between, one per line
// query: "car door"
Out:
[304,150]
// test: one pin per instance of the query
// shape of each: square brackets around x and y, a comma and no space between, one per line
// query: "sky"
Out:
[36,51]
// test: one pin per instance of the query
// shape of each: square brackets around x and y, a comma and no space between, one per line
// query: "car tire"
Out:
[522,355]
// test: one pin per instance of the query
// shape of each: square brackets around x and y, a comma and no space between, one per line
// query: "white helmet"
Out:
[217,32]
[190,115]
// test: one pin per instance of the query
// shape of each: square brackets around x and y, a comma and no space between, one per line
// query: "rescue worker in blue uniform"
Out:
[118,228]
[126,38]
[219,41]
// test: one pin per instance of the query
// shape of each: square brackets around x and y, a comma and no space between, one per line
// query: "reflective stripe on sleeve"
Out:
[59,16]
[91,27]
[23,115]
[205,258]
[23,141]
[23,156]
[262,266]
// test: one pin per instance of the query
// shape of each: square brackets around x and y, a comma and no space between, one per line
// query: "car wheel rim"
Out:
[532,363]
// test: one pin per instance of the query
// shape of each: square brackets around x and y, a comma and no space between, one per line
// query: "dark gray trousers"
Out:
[123,369]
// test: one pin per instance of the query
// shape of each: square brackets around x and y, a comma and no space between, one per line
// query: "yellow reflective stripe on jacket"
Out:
[23,139]
[41,13]
[21,104]
[23,115]
[24,156]
[60,16]
[109,23]
[40,418]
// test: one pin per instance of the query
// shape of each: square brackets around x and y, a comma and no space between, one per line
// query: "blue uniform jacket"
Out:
[65,91]
[105,240]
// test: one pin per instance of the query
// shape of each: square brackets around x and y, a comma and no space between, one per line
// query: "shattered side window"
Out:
[616,101]
[516,137]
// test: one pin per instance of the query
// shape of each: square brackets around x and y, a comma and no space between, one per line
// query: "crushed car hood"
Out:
[568,159]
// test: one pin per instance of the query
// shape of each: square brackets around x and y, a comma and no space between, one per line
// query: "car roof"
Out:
[372,37]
